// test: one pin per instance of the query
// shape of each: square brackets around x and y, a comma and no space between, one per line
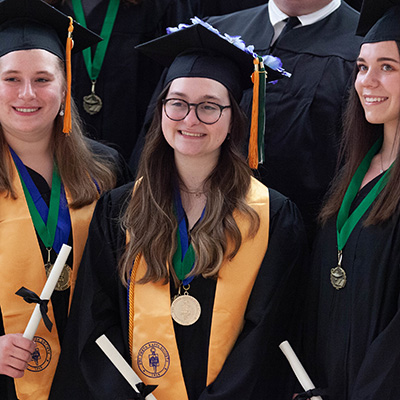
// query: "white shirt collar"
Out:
[276,15]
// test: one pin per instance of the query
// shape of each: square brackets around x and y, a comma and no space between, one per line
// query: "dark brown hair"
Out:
[149,217]
[358,137]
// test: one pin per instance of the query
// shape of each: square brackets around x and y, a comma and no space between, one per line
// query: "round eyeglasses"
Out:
[207,112]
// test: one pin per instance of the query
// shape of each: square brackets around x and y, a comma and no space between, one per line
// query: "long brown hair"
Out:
[149,217]
[80,169]
[358,137]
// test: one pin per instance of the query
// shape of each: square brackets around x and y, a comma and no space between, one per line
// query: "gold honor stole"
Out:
[21,264]
[155,356]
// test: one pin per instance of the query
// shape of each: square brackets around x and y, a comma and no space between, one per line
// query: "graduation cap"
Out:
[34,24]
[199,50]
[379,21]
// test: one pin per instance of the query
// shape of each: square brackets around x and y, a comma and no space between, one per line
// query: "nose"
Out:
[368,79]
[191,118]
[26,91]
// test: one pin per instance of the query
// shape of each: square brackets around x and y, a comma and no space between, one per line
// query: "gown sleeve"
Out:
[256,368]
[84,372]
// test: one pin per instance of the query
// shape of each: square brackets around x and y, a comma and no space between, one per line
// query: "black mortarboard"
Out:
[34,24]
[201,51]
[379,21]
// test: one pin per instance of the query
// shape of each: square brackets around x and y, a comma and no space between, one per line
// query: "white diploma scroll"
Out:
[47,290]
[298,368]
[119,362]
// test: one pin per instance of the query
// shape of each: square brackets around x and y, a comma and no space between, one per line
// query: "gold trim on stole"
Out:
[22,265]
[154,340]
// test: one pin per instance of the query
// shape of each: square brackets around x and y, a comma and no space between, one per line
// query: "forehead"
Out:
[30,59]
[386,49]
[198,88]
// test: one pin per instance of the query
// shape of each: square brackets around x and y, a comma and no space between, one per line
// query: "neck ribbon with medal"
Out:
[346,222]
[53,222]
[185,309]
[92,103]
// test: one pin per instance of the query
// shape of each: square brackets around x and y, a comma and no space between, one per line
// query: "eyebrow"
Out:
[206,97]
[381,59]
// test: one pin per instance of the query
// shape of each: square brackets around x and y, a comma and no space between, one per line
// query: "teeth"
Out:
[191,134]
[375,99]
[26,110]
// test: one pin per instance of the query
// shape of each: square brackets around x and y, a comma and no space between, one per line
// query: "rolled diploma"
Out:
[47,290]
[119,362]
[298,368]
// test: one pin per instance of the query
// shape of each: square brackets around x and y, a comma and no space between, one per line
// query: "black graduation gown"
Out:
[99,306]
[127,78]
[60,300]
[303,113]
[352,335]
[206,8]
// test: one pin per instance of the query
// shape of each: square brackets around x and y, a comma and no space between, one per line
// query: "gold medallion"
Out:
[185,310]
[64,281]
[92,103]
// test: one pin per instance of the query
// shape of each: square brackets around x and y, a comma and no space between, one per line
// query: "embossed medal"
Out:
[185,309]
[64,281]
[92,103]
[338,274]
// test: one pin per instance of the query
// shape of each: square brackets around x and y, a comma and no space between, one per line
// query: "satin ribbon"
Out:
[311,393]
[32,297]
[144,390]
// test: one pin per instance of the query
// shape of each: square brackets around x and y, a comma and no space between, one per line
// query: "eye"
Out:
[362,67]
[176,103]
[387,67]
[209,107]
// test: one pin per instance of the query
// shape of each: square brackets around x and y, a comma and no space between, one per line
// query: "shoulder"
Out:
[101,149]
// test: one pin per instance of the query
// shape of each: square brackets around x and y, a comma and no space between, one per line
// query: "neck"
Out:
[36,155]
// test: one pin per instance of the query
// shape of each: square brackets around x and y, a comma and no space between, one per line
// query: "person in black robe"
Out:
[303,114]
[127,78]
[353,317]
[254,367]
[33,53]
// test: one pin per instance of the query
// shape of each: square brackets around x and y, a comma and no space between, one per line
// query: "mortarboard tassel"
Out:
[253,142]
[67,111]
[261,111]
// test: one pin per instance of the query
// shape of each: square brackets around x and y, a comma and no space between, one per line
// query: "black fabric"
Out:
[303,113]
[60,299]
[33,24]
[255,366]
[127,78]
[351,336]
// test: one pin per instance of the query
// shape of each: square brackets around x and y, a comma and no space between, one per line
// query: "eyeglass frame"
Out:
[195,105]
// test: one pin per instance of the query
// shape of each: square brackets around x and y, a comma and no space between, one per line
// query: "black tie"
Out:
[290,24]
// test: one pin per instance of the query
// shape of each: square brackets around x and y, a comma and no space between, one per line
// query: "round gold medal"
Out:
[64,281]
[185,310]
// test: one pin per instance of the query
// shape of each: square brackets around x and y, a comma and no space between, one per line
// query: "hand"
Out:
[15,353]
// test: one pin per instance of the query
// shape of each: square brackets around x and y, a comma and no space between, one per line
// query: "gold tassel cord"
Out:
[253,142]
[67,112]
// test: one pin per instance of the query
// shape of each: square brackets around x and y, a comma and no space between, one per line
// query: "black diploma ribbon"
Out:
[32,297]
[310,393]
[144,390]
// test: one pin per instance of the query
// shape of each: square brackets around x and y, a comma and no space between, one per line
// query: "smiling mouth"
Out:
[26,110]
[370,99]
[184,133]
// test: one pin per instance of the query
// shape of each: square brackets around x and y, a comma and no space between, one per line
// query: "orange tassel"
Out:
[67,111]
[253,141]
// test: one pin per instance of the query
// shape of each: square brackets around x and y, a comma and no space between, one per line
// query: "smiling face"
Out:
[378,82]
[190,137]
[31,94]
